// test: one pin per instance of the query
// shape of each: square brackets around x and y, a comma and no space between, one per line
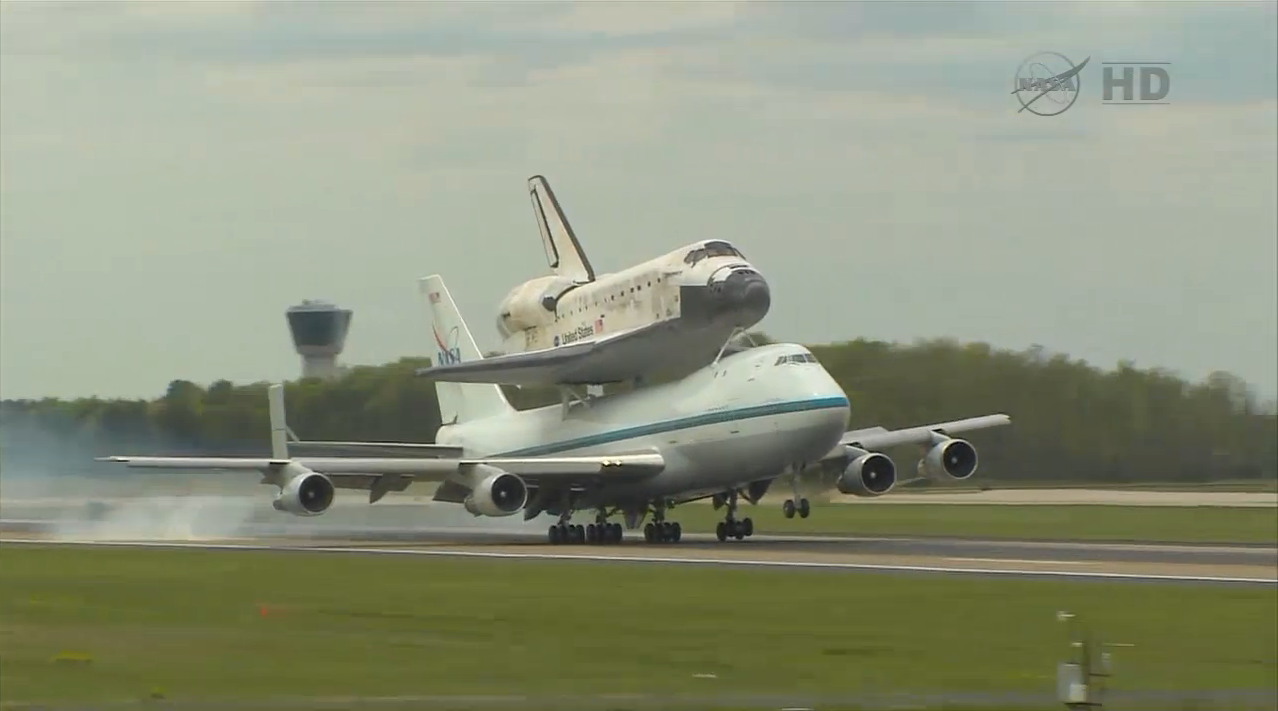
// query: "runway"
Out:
[1238,565]
[246,521]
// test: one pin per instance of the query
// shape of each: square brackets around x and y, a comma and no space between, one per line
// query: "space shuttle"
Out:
[664,317]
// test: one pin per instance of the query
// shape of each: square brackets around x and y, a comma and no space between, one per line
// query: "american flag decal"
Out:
[434,297]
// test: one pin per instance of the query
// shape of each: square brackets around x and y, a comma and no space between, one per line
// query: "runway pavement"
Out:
[248,521]
[1002,558]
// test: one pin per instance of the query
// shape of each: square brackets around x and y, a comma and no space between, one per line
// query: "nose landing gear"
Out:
[789,508]
[803,508]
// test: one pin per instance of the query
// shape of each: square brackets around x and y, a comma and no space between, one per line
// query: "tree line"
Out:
[1070,420]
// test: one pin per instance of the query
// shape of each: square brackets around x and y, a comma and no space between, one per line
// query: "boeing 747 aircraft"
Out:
[669,315]
[727,430]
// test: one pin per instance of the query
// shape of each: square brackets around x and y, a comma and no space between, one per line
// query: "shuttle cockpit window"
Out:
[712,249]
[722,249]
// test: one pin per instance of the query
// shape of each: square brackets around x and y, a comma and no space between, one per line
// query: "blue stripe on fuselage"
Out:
[682,423]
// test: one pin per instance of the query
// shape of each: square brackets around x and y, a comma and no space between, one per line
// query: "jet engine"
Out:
[306,494]
[949,460]
[499,494]
[870,474]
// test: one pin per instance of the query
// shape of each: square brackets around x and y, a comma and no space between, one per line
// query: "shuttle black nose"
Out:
[748,291]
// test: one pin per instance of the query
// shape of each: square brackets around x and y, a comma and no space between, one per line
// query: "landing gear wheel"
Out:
[677,532]
[721,531]
[738,530]
[579,533]
[748,526]
[592,533]
[615,532]
[555,534]
[788,508]
[650,533]
[804,508]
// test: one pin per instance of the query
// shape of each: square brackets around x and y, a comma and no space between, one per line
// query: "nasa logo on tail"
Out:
[449,352]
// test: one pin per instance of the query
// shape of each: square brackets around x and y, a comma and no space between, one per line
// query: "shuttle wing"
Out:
[615,358]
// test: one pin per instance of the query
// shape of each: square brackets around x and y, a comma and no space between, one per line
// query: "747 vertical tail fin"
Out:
[458,402]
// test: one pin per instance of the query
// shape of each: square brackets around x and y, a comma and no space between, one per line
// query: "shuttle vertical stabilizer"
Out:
[563,251]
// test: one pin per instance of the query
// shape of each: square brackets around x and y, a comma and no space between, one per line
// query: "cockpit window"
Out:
[796,358]
[712,249]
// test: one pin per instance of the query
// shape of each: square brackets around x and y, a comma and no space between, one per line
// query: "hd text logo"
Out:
[1048,83]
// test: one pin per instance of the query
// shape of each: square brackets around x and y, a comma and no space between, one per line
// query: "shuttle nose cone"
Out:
[747,291]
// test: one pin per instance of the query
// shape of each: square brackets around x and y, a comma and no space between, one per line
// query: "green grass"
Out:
[190,623]
[1121,523]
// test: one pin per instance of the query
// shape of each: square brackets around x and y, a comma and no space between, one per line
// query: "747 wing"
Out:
[867,472]
[492,486]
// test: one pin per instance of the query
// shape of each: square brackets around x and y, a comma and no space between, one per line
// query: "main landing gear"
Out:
[730,527]
[594,533]
[659,530]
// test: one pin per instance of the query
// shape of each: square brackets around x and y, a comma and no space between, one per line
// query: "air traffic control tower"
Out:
[319,334]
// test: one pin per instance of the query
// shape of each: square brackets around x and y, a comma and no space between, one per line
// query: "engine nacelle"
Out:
[949,460]
[531,304]
[306,494]
[499,494]
[871,474]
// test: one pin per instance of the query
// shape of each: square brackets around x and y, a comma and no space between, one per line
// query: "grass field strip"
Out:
[1233,700]
[738,562]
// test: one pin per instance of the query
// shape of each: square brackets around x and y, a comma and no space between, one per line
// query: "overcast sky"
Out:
[176,174]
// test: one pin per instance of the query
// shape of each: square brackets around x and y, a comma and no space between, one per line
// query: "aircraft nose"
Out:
[747,290]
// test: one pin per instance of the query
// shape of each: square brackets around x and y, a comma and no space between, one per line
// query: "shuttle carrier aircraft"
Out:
[727,431]
[665,317]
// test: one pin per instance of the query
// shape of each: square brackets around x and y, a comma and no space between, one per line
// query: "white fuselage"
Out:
[745,418]
[552,311]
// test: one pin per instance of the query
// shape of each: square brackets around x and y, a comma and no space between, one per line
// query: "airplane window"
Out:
[721,249]
[712,249]
[796,358]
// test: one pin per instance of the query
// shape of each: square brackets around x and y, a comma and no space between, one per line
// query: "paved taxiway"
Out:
[1003,558]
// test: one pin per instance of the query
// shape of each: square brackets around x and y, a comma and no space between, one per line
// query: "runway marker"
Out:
[661,559]
[1023,560]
